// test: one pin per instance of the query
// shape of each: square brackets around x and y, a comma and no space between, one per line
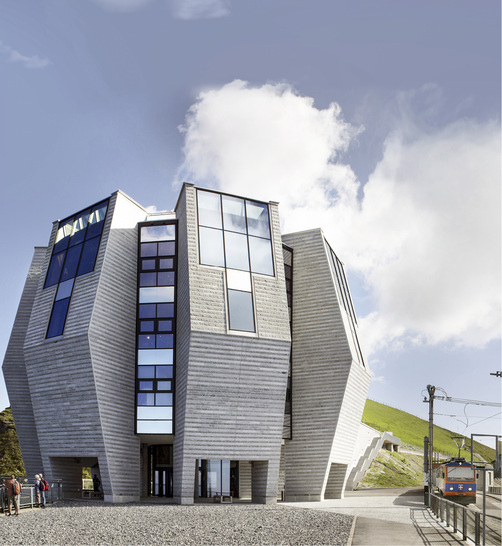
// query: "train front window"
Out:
[460,473]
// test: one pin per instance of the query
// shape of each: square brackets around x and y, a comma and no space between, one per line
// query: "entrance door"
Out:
[160,470]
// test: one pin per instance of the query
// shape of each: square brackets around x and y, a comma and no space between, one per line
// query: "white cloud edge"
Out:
[14,56]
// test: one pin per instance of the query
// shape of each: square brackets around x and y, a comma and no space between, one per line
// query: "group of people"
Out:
[13,488]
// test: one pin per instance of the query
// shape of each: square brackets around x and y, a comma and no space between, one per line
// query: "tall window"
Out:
[74,254]
[235,233]
[156,327]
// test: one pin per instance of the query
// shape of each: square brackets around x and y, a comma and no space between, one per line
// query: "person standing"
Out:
[96,482]
[40,491]
[12,494]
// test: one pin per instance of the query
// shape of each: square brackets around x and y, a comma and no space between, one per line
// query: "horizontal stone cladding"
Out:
[14,370]
[321,364]
[235,397]
[112,340]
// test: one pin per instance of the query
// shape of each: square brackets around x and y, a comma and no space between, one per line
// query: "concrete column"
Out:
[264,481]
[184,480]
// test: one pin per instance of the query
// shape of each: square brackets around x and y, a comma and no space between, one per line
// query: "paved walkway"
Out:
[395,517]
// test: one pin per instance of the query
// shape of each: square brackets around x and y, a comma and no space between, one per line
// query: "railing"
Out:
[28,497]
[467,521]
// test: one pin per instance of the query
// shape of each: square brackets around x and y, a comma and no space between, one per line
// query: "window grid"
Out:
[156,327]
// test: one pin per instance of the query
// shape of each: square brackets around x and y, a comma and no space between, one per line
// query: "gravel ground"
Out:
[81,523]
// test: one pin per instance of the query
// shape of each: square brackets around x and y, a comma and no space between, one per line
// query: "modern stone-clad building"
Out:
[194,353]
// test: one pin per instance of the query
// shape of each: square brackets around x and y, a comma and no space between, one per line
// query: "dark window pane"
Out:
[147,264]
[146,372]
[146,385]
[165,325]
[165,341]
[257,214]
[164,399]
[164,385]
[209,209]
[166,263]
[236,251]
[165,278]
[240,310]
[148,249]
[146,325]
[260,251]
[96,220]
[234,215]
[89,254]
[79,227]
[147,310]
[211,246]
[55,268]
[63,236]
[58,318]
[146,399]
[146,342]
[164,372]
[165,310]
[167,249]
[71,263]
[148,279]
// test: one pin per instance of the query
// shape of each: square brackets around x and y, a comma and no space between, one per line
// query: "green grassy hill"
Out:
[412,430]
[11,461]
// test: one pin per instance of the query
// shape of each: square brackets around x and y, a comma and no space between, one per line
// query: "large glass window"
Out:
[74,254]
[156,328]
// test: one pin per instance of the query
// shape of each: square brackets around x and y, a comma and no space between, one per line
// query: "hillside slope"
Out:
[11,461]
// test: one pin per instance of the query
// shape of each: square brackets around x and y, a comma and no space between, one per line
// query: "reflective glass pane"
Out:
[238,280]
[71,262]
[209,209]
[155,356]
[165,325]
[147,264]
[55,268]
[257,214]
[79,227]
[165,310]
[146,341]
[164,372]
[155,413]
[260,251]
[146,372]
[63,236]
[157,293]
[146,385]
[146,399]
[58,318]
[164,385]
[146,325]
[240,310]
[211,246]
[148,279]
[96,221]
[148,249]
[236,251]
[164,399]
[165,278]
[64,290]
[234,215]
[164,341]
[166,263]
[147,310]
[167,249]
[154,427]
[158,233]
[88,258]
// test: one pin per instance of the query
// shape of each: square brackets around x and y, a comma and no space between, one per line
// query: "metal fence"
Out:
[28,497]
[470,523]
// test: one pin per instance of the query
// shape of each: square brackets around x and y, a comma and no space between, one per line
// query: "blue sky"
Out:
[378,121]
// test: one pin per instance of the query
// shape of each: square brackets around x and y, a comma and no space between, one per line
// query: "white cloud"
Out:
[201,9]
[426,234]
[14,56]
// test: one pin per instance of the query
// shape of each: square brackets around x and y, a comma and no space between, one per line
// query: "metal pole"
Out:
[431,390]
[484,506]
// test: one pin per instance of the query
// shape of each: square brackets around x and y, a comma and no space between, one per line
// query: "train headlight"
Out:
[451,488]
[470,489]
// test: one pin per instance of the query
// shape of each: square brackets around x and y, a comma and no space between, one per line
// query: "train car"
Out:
[456,480]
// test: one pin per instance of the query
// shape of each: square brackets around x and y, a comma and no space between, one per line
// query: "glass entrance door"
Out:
[160,470]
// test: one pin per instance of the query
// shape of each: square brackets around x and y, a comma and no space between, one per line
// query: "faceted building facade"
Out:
[195,353]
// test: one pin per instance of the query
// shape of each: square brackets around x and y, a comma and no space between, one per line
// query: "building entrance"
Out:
[160,470]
